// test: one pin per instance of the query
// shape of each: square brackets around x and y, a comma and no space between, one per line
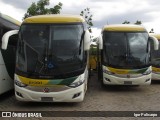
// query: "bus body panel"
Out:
[143,80]
[126,78]
[123,27]
[63,96]
[69,94]
[6,83]
[54,19]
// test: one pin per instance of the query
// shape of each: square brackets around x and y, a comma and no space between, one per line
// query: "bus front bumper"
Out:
[70,95]
[113,80]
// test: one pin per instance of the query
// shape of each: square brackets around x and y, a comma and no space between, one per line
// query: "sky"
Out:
[104,11]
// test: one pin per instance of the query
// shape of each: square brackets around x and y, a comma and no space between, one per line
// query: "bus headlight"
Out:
[18,83]
[108,72]
[147,72]
[76,84]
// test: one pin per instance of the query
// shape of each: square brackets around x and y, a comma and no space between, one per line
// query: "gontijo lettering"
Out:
[35,82]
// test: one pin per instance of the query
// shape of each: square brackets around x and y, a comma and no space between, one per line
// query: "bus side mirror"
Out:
[87,40]
[155,42]
[5,38]
[100,42]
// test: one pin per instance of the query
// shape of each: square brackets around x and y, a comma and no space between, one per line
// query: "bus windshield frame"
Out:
[51,50]
[126,50]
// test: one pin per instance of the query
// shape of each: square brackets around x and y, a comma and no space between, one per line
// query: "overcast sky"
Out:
[104,11]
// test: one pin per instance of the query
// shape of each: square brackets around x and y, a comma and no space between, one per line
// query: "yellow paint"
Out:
[118,71]
[54,19]
[93,61]
[123,27]
[33,82]
[154,69]
[155,35]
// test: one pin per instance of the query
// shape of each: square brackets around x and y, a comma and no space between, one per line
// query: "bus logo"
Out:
[46,90]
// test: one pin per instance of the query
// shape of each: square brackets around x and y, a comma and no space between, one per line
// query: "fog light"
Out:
[107,79]
[147,80]
[19,94]
[76,95]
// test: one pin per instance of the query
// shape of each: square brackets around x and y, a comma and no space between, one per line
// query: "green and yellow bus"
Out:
[52,58]
[155,58]
[125,55]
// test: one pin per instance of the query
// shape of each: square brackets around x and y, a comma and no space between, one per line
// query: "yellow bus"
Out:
[52,58]
[125,55]
[155,58]
[7,57]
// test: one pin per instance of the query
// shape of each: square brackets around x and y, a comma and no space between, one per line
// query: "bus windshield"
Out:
[126,49]
[50,49]
[156,57]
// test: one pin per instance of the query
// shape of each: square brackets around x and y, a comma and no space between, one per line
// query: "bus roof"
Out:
[123,27]
[9,22]
[155,35]
[54,18]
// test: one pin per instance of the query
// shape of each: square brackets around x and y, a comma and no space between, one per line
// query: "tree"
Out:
[126,22]
[138,22]
[88,18]
[151,31]
[39,8]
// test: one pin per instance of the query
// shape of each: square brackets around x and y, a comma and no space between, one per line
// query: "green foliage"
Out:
[126,22]
[138,22]
[151,31]
[88,18]
[39,8]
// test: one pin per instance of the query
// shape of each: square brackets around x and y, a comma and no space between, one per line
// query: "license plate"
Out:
[127,82]
[46,99]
